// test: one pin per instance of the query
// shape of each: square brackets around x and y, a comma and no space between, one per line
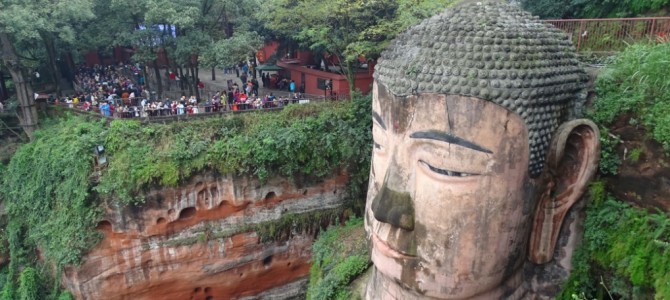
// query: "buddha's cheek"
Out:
[446,236]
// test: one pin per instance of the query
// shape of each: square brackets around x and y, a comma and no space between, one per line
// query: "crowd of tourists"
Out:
[118,91]
[108,89]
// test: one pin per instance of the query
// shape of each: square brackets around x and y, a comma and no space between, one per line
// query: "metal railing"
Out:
[612,35]
[167,114]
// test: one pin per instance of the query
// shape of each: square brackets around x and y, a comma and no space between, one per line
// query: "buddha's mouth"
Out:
[386,250]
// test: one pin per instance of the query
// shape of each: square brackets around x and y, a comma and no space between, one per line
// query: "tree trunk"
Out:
[50,47]
[182,79]
[4,93]
[71,68]
[213,73]
[159,81]
[24,92]
[350,73]
[196,81]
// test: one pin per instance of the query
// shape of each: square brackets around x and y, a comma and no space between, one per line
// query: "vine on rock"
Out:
[54,197]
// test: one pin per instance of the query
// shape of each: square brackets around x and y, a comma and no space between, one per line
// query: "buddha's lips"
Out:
[385,249]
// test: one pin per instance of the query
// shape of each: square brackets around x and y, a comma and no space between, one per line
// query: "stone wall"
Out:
[197,241]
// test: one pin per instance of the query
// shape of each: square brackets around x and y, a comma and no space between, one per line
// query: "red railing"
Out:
[611,35]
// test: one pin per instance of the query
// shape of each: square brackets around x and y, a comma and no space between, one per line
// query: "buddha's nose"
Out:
[392,206]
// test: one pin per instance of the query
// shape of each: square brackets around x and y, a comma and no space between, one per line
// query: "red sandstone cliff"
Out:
[194,242]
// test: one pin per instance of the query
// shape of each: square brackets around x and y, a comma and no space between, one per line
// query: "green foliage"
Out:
[598,192]
[339,255]
[634,155]
[626,247]
[346,29]
[48,195]
[289,223]
[609,159]
[53,196]
[302,141]
[29,288]
[65,296]
[637,83]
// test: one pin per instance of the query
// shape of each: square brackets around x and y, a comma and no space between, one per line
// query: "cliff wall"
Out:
[205,240]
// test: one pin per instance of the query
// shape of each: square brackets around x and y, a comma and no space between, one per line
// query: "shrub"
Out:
[53,197]
[637,83]
[625,248]
[336,260]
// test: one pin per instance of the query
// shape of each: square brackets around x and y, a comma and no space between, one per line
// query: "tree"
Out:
[31,21]
[347,29]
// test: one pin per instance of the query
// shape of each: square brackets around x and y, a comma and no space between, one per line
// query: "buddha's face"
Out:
[449,203]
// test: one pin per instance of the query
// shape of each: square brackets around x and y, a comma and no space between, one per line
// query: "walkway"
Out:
[213,86]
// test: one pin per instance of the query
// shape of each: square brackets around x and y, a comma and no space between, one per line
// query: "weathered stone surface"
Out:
[493,51]
[478,157]
[193,242]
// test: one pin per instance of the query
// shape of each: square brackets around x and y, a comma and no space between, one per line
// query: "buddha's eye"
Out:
[446,172]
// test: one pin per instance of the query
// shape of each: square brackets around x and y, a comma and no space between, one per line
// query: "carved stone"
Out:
[196,241]
[476,153]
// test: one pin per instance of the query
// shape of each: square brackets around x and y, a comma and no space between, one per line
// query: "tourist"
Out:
[208,106]
[180,108]
[105,108]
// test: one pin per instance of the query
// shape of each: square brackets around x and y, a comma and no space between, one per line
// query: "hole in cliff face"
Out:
[196,290]
[267,261]
[334,192]
[241,274]
[170,211]
[104,225]
[161,221]
[202,195]
[187,213]
[209,298]
[304,193]
[207,290]
[214,192]
[270,196]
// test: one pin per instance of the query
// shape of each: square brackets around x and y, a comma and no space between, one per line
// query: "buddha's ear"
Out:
[572,162]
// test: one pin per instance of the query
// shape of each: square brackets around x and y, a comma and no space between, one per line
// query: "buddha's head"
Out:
[478,152]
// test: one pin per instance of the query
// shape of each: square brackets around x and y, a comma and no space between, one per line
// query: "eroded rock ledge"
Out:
[201,240]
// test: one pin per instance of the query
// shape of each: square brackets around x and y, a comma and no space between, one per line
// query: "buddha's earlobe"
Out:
[572,162]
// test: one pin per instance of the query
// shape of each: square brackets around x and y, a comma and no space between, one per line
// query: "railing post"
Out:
[653,30]
[581,32]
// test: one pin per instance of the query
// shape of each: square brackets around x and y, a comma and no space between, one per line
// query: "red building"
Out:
[119,54]
[299,67]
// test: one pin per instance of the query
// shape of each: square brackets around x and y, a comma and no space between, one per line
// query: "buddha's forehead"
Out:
[496,52]
[477,120]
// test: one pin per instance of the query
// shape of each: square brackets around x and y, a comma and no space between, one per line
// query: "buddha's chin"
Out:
[409,273]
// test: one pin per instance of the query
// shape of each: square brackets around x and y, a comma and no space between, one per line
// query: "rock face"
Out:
[198,241]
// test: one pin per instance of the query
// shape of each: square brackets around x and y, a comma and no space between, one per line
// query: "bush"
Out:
[336,260]
[637,83]
[625,249]
[53,198]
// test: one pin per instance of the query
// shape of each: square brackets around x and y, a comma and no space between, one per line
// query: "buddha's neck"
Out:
[380,287]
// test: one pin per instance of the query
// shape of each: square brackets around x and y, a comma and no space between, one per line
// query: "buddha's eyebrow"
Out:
[379,120]
[451,139]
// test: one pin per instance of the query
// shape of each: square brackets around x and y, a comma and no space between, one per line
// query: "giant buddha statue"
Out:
[479,154]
